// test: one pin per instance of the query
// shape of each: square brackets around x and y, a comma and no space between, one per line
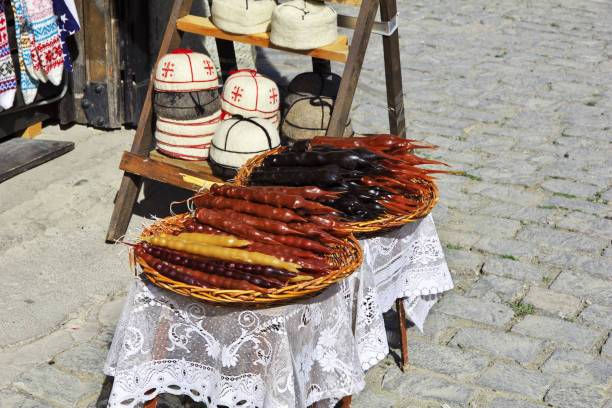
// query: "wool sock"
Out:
[27,44]
[28,85]
[68,23]
[46,36]
[8,82]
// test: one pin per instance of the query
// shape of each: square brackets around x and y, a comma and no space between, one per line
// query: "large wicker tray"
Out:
[345,263]
[390,220]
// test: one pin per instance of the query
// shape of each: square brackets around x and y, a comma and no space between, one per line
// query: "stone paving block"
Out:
[569,187]
[513,403]
[564,394]
[479,223]
[508,247]
[596,265]
[463,261]
[454,362]
[47,382]
[511,194]
[578,367]
[587,223]
[554,238]
[607,195]
[599,314]
[368,398]
[501,344]
[494,314]
[557,330]
[110,311]
[12,399]
[513,269]
[606,350]
[456,239]
[511,378]
[577,204]
[560,304]
[495,289]
[414,384]
[87,358]
[434,328]
[581,284]
[517,212]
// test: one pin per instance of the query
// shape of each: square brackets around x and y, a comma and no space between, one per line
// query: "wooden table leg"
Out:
[346,402]
[401,316]
[393,72]
[352,69]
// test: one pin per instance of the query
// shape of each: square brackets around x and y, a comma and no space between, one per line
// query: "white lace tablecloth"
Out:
[288,356]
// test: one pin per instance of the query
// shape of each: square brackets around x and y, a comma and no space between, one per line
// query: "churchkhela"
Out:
[370,176]
[250,238]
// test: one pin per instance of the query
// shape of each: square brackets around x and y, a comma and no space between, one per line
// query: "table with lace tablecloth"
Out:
[316,349]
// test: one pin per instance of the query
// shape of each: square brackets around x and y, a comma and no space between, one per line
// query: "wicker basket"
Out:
[345,263]
[387,221]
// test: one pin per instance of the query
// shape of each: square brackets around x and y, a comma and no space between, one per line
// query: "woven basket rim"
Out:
[382,223]
[351,257]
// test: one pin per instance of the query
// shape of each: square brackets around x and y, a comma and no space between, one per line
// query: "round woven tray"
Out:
[387,221]
[345,262]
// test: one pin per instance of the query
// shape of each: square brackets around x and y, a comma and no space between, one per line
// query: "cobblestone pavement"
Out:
[518,95]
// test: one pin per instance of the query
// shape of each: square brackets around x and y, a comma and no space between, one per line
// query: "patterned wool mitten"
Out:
[68,23]
[28,85]
[46,35]
[8,82]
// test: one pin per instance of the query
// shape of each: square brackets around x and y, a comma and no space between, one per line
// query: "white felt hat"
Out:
[243,16]
[238,139]
[187,139]
[250,94]
[304,25]
[185,71]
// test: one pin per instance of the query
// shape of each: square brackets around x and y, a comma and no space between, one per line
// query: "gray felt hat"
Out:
[186,105]
[309,105]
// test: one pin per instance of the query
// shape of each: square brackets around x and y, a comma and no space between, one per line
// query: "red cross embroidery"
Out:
[167,69]
[273,96]
[236,95]
[208,67]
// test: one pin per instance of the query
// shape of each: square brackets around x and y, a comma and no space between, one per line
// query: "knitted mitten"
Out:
[68,23]
[46,36]
[28,85]
[8,82]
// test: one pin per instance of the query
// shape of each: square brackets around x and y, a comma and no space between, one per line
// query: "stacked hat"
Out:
[237,140]
[242,16]
[304,25]
[186,101]
[250,104]
[309,105]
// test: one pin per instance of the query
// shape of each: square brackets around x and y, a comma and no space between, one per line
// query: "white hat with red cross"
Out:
[250,94]
[185,71]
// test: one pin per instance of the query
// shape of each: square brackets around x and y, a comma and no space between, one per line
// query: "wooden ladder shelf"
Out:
[141,161]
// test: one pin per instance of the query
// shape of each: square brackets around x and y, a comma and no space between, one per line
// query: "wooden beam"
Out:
[143,140]
[164,172]
[393,72]
[338,51]
[352,69]
[32,131]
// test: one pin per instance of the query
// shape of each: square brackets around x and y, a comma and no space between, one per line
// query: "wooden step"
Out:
[167,170]
[337,51]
